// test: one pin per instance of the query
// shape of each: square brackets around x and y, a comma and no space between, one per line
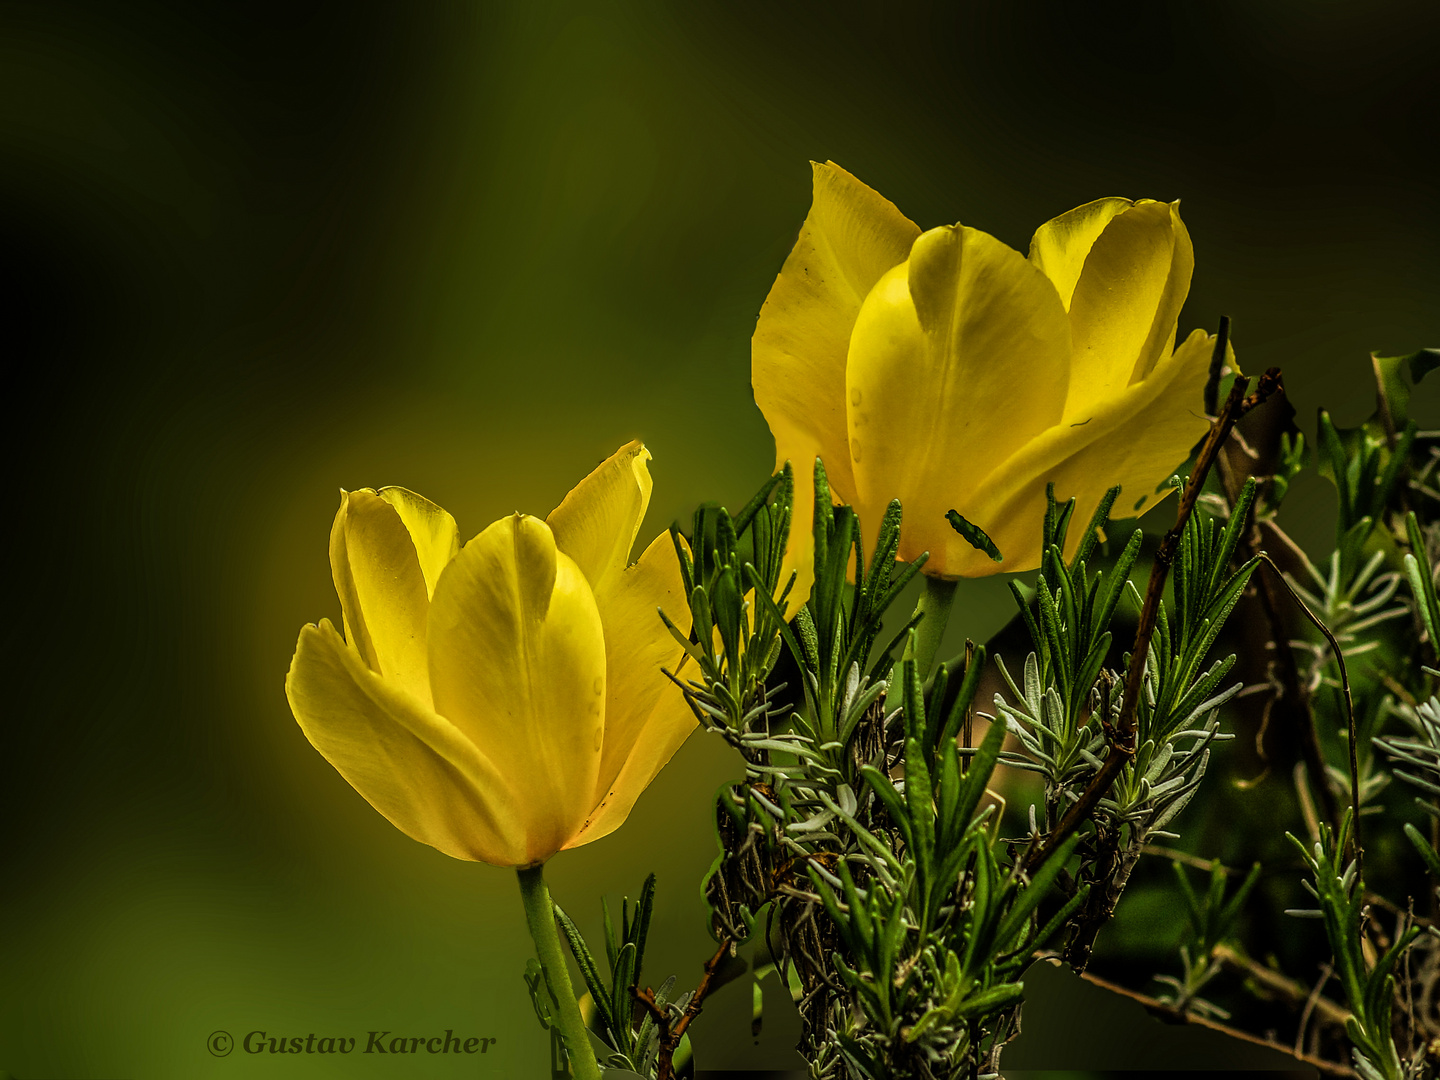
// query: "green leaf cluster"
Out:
[1369,991]
[1070,630]
[1210,921]
[937,930]
[629,1033]
[727,564]
[835,632]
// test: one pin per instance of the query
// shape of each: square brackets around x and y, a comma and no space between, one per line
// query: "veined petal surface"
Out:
[381,584]
[517,663]
[958,358]
[412,765]
[851,237]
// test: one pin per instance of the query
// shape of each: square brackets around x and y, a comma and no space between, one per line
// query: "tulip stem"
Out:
[935,603]
[540,915]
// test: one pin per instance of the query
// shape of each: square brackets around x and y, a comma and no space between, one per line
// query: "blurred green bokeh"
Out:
[254,255]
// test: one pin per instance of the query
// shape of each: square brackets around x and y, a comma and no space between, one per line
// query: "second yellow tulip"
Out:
[945,369]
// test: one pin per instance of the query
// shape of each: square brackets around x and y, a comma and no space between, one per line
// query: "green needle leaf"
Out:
[974,535]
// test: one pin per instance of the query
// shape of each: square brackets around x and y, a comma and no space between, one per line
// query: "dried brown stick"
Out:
[1160,851]
[1293,698]
[1299,700]
[1179,1016]
[1280,984]
[1354,847]
[671,1032]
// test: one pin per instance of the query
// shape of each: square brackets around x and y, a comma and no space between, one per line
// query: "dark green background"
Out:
[257,252]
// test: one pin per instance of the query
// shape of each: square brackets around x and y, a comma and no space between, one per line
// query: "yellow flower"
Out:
[503,700]
[947,370]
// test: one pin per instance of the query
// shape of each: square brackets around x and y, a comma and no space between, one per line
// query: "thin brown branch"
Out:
[1396,688]
[1279,984]
[1374,899]
[646,997]
[1312,1002]
[1122,748]
[1354,847]
[1184,857]
[1287,690]
[672,1031]
[1179,1016]
[1294,697]
[1109,871]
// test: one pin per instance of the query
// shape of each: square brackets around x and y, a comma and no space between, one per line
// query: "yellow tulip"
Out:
[949,371]
[503,700]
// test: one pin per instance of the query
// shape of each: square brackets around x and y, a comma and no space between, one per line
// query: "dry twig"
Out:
[1178,1016]
[672,1031]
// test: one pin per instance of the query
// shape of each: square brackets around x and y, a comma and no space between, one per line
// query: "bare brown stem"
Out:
[1354,847]
[1179,1016]
[1160,851]
[672,1031]
[1280,984]
[1294,699]
[1312,1002]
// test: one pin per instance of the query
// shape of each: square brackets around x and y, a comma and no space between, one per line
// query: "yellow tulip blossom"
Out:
[501,700]
[947,370]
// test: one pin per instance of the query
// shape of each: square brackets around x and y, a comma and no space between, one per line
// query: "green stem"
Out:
[935,602]
[540,915]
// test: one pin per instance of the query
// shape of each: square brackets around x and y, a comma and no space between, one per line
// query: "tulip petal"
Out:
[851,236]
[1060,247]
[1126,303]
[596,526]
[646,717]
[959,358]
[598,521]
[413,766]
[382,588]
[517,663]
[432,531]
[1137,440]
